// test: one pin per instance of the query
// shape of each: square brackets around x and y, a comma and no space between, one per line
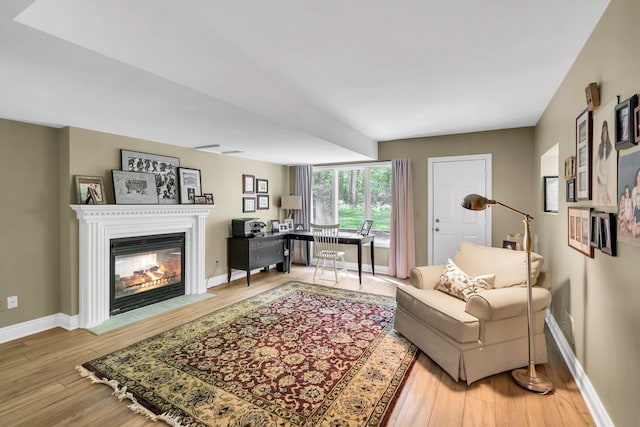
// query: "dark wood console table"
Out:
[250,253]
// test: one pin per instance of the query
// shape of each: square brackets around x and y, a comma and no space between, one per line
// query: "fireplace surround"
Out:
[99,224]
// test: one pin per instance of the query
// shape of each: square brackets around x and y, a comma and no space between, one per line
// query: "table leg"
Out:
[360,263]
[373,264]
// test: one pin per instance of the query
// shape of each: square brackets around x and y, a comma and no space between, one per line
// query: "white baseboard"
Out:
[21,330]
[597,409]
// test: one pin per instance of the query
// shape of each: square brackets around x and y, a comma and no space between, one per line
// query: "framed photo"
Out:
[366,227]
[289,223]
[283,227]
[579,230]
[571,190]
[89,190]
[625,136]
[508,244]
[298,227]
[248,183]
[209,198]
[636,124]
[583,155]
[551,194]
[200,200]
[275,226]
[248,204]
[134,188]
[629,198]
[263,201]
[262,186]
[163,167]
[570,167]
[608,233]
[190,184]
[605,157]
[595,229]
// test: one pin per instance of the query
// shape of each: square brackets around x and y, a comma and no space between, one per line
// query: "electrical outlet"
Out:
[12,302]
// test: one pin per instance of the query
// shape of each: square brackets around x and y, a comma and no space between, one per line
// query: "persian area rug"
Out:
[297,355]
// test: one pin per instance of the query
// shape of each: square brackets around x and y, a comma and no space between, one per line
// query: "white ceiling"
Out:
[287,81]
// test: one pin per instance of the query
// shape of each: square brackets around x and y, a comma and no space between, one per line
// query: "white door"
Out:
[450,180]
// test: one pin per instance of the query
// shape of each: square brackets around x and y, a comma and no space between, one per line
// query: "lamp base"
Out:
[527,378]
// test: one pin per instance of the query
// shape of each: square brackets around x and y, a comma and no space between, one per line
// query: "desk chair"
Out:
[325,247]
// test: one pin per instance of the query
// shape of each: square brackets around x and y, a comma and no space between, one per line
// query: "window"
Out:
[352,193]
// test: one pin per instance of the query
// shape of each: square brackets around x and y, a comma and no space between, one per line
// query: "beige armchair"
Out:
[487,333]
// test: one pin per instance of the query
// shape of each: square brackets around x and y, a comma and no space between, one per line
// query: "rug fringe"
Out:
[122,393]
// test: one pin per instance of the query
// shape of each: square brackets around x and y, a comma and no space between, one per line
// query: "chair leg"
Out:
[316,270]
[335,268]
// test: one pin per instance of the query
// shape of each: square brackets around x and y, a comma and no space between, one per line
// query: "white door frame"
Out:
[488,187]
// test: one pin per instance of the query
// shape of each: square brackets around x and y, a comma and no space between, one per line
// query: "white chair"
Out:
[325,245]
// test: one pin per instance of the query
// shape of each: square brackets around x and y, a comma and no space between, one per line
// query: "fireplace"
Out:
[145,270]
[100,224]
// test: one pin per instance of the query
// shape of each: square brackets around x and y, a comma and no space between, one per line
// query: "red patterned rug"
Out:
[297,355]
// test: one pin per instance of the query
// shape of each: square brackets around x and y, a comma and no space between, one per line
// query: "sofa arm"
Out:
[503,303]
[426,277]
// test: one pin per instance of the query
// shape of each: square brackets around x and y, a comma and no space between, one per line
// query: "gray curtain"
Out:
[402,248]
[303,216]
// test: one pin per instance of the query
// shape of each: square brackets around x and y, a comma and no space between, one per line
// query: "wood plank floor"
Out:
[40,387]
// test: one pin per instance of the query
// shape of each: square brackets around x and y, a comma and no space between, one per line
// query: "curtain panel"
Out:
[402,248]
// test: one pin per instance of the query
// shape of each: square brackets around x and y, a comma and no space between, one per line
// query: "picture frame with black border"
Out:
[283,228]
[134,188]
[89,190]
[608,232]
[624,118]
[365,229]
[165,169]
[262,186]
[550,194]
[570,167]
[571,190]
[298,227]
[636,124]
[248,184]
[508,244]
[595,229]
[209,198]
[248,204]
[200,200]
[263,201]
[275,225]
[190,184]
[584,136]
[289,223]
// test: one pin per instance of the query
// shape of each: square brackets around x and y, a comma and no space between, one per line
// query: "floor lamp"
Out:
[524,377]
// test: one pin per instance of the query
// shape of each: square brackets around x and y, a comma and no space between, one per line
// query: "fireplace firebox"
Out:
[146,270]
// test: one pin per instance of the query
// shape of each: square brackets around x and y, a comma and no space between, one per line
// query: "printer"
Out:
[247,227]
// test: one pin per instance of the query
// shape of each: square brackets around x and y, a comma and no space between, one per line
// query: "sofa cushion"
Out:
[440,311]
[457,283]
[510,267]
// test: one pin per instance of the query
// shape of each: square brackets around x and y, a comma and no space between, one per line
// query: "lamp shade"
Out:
[291,202]
[476,202]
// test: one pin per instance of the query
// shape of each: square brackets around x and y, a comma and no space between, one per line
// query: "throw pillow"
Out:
[457,283]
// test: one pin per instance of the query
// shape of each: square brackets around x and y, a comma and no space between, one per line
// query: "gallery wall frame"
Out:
[608,233]
[628,193]
[579,230]
[595,229]
[164,169]
[624,118]
[605,156]
[570,167]
[584,135]
[262,186]
[248,204]
[570,190]
[248,184]
[550,190]
[263,201]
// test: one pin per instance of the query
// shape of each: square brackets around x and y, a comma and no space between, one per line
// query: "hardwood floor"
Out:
[40,387]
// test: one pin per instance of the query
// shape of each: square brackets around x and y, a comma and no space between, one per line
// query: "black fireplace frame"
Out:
[133,245]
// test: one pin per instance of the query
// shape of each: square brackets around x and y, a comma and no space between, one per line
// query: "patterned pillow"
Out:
[456,282]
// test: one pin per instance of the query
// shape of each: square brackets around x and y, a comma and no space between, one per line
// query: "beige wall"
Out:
[512,160]
[601,294]
[29,263]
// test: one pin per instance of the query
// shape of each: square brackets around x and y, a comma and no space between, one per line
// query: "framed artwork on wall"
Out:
[595,229]
[605,158]
[583,155]
[248,184]
[190,185]
[608,233]
[263,201]
[163,167]
[550,194]
[579,230]
[248,204]
[571,190]
[262,186]
[629,197]
[570,167]
[624,119]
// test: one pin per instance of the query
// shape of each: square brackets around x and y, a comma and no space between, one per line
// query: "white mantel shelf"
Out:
[98,224]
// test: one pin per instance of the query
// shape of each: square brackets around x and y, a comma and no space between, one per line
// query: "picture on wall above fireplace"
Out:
[164,168]
[134,188]
[89,190]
